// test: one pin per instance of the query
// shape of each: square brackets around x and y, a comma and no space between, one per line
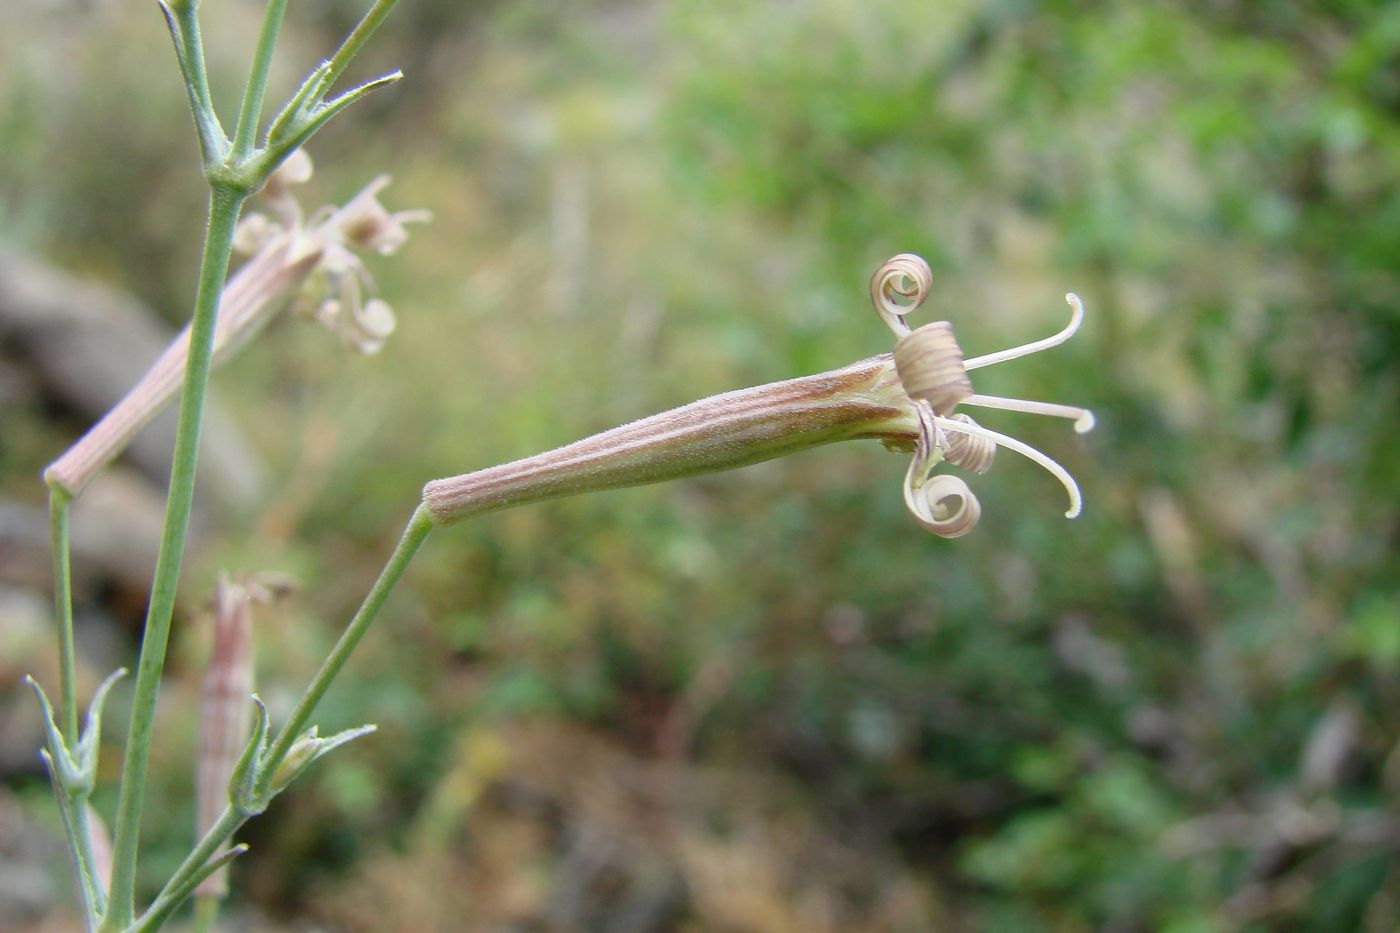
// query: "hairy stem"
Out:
[357,39]
[250,111]
[63,615]
[224,205]
[231,819]
[413,536]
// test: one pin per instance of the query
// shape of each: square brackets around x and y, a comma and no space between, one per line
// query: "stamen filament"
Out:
[1083,418]
[1025,450]
[1001,356]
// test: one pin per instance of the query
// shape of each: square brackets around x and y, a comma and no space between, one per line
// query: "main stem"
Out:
[224,205]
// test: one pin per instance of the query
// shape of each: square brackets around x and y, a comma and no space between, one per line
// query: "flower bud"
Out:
[225,707]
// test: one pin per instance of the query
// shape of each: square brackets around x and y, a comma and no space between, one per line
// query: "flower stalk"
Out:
[234,170]
[224,206]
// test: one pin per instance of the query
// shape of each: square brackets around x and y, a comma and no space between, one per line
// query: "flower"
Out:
[934,374]
[333,291]
[314,259]
[905,399]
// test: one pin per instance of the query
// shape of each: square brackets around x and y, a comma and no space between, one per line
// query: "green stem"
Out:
[231,819]
[357,39]
[224,205]
[413,536]
[206,913]
[189,49]
[225,826]
[63,615]
[251,110]
[73,810]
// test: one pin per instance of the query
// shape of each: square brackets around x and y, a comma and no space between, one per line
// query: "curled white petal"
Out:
[1001,356]
[972,452]
[1025,450]
[370,326]
[254,231]
[899,287]
[1083,418]
[928,499]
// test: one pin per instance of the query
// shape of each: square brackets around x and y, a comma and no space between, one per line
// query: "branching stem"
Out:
[231,819]
[250,112]
[413,536]
[224,205]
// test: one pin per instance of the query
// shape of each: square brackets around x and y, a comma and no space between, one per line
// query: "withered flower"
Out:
[905,399]
[288,254]
[333,290]
[935,375]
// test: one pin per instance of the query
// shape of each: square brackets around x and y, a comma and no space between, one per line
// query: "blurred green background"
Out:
[765,700]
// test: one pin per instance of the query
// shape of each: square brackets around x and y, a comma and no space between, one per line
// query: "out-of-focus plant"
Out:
[905,399]
[235,166]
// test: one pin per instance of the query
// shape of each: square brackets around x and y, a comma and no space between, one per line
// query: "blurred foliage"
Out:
[764,701]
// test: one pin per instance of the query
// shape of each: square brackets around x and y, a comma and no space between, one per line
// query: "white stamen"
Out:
[1083,418]
[1025,450]
[1002,356]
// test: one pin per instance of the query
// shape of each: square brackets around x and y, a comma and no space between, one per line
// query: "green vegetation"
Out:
[766,700]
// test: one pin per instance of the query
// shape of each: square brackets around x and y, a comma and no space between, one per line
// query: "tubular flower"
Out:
[905,399]
[934,373]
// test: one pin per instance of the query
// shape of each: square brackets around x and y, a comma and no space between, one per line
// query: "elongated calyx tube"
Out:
[863,400]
